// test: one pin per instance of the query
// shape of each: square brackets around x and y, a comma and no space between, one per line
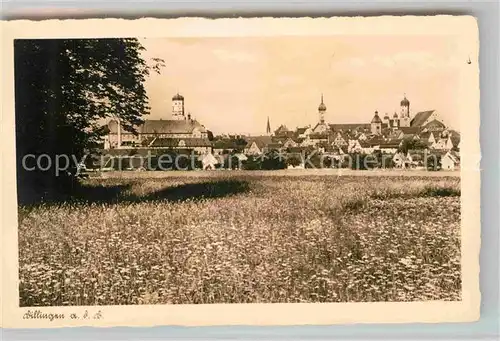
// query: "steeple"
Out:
[405,112]
[321,110]
[322,106]
[376,124]
[178,107]
[268,127]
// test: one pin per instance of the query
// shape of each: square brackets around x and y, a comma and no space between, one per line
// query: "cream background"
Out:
[465,100]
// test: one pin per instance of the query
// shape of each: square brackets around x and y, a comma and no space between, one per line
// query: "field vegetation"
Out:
[244,239]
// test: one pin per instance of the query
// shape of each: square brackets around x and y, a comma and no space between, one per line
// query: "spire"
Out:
[268,127]
[321,110]
[322,106]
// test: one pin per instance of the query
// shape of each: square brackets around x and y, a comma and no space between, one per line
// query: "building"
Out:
[226,146]
[178,107]
[303,132]
[450,161]
[208,161]
[401,161]
[199,145]
[376,124]
[256,145]
[321,127]
[404,119]
[179,131]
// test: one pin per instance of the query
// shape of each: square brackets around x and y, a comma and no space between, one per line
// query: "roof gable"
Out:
[281,129]
[454,157]
[420,118]
[320,127]
[302,130]
[260,141]
[435,124]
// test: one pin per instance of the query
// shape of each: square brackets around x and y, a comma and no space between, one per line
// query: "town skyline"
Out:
[242,82]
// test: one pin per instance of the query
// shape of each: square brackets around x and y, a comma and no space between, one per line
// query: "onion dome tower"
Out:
[395,120]
[376,124]
[405,112]
[405,105]
[321,111]
[387,120]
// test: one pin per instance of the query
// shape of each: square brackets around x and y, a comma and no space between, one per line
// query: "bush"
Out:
[253,163]
[433,163]
[318,161]
[273,161]
[232,162]
[293,160]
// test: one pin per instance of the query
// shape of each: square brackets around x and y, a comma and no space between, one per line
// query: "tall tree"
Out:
[63,89]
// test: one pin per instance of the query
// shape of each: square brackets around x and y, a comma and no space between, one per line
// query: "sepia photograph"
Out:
[257,169]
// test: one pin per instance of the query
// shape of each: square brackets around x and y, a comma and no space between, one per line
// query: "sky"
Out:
[232,85]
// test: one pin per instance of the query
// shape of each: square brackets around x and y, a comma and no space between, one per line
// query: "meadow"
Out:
[234,238]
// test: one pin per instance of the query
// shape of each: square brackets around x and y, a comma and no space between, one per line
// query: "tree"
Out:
[210,135]
[433,162]
[240,144]
[231,161]
[361,161]
[383,160]
[253,163]
[411,144]
[293,160]
[64,88]
[273,160]
[316,160]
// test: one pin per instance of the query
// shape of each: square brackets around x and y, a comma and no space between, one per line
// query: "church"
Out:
[425,120]
[180,131]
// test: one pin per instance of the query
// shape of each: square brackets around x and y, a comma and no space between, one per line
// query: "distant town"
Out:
[406,140]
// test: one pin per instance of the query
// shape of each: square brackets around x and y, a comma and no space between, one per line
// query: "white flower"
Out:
[405,261]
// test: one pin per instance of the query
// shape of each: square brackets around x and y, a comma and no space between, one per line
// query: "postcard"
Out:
[250,171]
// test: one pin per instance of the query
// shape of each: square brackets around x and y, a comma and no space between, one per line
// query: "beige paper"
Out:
[465,98]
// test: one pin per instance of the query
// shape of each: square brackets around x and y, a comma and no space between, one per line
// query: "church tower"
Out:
[404,119]
[178,107]
[321,111]
[395,121]
[268,127]
[376,124]
[387,121]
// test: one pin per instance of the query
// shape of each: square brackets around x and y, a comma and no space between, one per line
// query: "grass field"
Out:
[233,238]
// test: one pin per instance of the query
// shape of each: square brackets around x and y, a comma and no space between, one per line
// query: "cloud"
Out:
[236,56]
